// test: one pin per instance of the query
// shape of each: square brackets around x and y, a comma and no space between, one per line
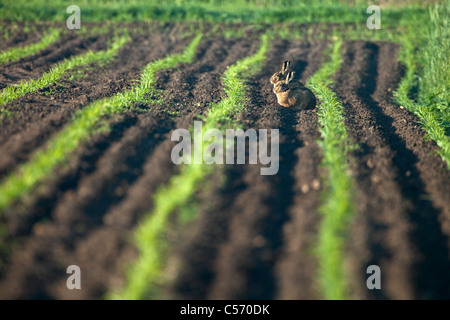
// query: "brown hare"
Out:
[293,94]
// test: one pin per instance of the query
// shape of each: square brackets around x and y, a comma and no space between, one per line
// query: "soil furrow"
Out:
[43,115]
[18,37]
[33,66]
[297,266]
[246,262]
[114,216]
[425,182]
[193,269]
[27,222]
[238,260]
[20,219]
[389,188]
[185,93]
[382,225]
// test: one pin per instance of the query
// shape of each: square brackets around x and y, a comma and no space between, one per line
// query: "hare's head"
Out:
[282,86]
[280,75]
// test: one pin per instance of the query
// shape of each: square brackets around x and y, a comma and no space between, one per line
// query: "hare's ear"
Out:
[285,66]
[289,77]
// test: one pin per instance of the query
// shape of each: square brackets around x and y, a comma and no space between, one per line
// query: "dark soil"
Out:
[397,175]
[18,38]
[112,174]
[42,114]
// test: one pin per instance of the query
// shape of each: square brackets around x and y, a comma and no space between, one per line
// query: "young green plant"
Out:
[83,125]
[56,73]
[428,70]
[337,202]
[14,54]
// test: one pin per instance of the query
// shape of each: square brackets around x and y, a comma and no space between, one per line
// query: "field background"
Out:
[86,177]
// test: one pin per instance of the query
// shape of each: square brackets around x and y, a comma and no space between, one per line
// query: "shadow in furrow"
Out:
[430,272]
[282,199]
[261,281]
[106,196]
[209,233]
[24,218]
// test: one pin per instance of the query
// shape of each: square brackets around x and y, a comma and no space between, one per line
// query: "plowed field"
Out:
[253,235]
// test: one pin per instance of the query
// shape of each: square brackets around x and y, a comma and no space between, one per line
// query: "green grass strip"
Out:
[84,124]
[56,73]
[17,53]
[428,69]
[337,201]
[147,272]
[435,61]
[305,11]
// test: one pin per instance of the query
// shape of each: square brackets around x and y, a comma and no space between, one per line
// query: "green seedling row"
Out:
[428,70]
[337,206]
[83,125]
[56,73]
[14,54]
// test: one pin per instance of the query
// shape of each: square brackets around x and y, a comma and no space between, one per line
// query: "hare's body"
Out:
[296,98]
[294,95]
[288,99]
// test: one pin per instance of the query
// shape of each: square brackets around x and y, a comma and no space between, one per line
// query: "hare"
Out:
[280,75]
[293,94]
